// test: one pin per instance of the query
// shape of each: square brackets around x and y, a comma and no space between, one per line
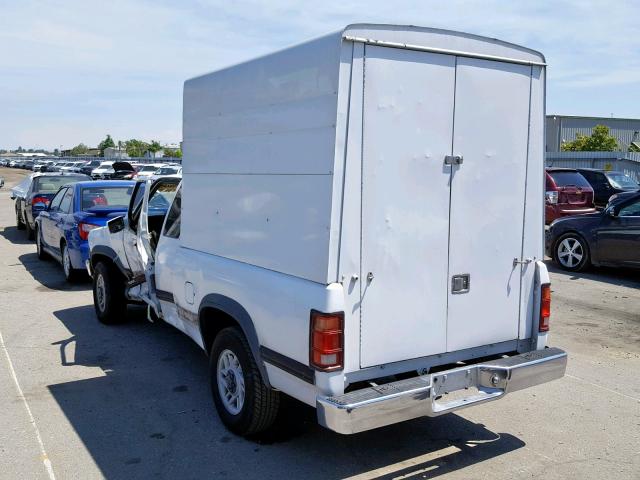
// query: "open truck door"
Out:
[150,203]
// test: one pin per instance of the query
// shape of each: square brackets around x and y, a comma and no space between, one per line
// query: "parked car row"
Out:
[59,209]
[97,169]
[571,191]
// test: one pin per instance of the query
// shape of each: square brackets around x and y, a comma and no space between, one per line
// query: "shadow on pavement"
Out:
[623,277]
[149,413]
[49,274]
[15,236]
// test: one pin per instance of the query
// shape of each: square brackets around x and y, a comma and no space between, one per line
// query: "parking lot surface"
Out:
[83,400]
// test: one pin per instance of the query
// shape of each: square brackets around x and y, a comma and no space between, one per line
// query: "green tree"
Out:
[154,146]
[173,153]
[136,148]
[106,143]
[598,141]
[80,149]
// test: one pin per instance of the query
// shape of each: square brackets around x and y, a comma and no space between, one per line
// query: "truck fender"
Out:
[241,316]
[110,253]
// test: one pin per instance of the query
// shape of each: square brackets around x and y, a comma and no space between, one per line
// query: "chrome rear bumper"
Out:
[438,393]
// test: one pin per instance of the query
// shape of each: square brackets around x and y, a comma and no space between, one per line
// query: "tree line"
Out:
[133,147]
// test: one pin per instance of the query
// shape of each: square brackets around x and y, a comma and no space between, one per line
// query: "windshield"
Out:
[107,197]
[106,164]
[148,168]
[163,196]
[53,183]
[563,178]
[622,181]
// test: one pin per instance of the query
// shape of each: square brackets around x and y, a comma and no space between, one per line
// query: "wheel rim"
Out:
[66,261]
[230,382]
[101,294]
[570,252]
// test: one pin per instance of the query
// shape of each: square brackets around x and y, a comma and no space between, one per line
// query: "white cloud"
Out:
[74,70]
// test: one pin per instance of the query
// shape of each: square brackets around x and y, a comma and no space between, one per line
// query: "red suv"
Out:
[567,193]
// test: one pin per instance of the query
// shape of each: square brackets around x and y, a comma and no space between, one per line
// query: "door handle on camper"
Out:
[526,261]
[453,159]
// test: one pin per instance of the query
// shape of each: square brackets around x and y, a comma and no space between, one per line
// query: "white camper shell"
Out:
[392,175]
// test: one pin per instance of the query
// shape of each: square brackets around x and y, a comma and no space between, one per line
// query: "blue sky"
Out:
[72,71]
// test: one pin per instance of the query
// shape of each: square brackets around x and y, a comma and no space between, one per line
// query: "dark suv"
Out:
[38,192]
[567,193]
[606,184]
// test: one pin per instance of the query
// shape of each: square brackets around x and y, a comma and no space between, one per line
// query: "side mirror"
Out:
[116,224]
[611,211]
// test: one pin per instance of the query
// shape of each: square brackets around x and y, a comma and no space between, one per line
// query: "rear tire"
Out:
[19,224]
[70,274]
[108,294]
[571,252]
[245,404]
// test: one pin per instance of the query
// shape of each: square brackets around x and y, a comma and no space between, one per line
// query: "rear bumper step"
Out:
[438,393]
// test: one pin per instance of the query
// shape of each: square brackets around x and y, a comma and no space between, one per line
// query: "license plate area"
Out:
[463,387]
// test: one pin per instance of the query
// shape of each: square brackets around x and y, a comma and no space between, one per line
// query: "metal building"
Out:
[564,128]
[625,162]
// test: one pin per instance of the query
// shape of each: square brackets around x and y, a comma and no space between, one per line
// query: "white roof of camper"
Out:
[434,40]
[441,41]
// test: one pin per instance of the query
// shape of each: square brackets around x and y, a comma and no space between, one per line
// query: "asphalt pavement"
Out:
[82,400]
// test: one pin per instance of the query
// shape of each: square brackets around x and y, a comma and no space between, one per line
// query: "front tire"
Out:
[30,232]
[571,252]
[245,404]
[42,255]
[108,294]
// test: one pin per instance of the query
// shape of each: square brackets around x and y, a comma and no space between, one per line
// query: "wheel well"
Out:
[212,321]
[106,260]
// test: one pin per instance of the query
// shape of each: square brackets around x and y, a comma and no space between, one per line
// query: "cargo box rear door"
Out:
[407,132]
[491,130]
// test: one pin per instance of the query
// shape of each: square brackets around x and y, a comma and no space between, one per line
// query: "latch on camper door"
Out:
[453,160]
[526,261]
[461,283]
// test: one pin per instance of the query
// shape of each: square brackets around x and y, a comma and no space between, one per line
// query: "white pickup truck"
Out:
[359,226]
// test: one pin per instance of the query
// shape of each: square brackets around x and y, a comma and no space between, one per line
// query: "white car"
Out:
[174,171]
[73,166]
[340,252]
[147,170]
[103,171]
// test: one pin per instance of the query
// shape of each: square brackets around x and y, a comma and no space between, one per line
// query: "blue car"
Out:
[62,229]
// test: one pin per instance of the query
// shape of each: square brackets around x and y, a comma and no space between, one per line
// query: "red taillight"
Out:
[326,342]
[545,308]
[84,229]
[44,200]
